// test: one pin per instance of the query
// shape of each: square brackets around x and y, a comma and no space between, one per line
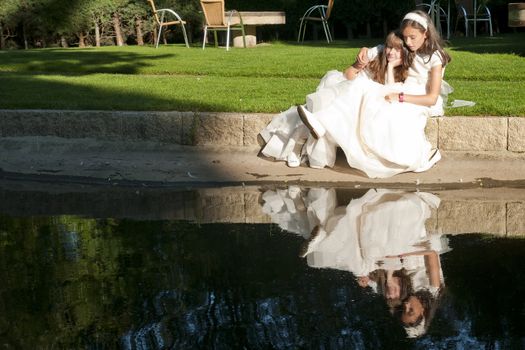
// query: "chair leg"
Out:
[300,29]
[204,37]
[185,36]
[304,31]
[228,38]
[158,37]
[244,37]
[326,31]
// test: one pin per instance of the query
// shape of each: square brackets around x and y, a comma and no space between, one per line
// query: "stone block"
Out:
[473,216]
[95,124]
[163,127]
[473,134]
[516,219]
[219,129]
[431,130]
[517,134]
[189,127]
[253,124]
[220,205]
[253,209]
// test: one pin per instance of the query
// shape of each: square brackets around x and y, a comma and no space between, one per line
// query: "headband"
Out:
[417,18]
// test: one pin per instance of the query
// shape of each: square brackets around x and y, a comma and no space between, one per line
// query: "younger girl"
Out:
[284,133]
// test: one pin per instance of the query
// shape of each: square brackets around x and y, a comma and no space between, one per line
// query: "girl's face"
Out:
[412,310]
[393,54]
[414,38]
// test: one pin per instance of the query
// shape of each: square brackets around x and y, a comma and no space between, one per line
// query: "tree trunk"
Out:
[349,32]
[118,31]
[63,41]
[81,39]
[97,34]
[24,36]
[368,30]
[138,30]
[2,38]
[385,28]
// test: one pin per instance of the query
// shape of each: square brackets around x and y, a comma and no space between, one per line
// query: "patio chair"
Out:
[218,20]
[437,13]
[468,15]
[162,24]
[323,12]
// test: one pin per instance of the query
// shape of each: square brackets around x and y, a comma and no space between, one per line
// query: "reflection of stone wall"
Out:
[494,211]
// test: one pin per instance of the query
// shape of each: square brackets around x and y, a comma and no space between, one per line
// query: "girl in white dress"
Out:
[381,129]
[284,134]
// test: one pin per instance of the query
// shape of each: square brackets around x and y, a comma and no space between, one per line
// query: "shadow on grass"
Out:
[504,44]
[80,61]
[81,93]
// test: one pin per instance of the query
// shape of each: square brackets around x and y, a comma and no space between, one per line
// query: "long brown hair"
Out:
[378,66]
[433,42]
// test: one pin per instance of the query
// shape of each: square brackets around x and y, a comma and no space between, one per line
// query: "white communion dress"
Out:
[380,138]
[366,234]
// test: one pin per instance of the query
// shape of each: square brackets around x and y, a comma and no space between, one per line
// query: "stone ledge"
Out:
[474,134]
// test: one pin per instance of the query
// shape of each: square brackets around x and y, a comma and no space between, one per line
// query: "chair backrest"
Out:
[468,5]
[329,8]
[152,3]
[213,12]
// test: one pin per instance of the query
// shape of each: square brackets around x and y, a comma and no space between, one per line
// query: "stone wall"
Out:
[470,134]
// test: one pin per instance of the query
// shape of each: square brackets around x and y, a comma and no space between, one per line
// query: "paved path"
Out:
[150,164]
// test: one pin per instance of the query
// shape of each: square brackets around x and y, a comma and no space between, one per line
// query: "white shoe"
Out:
[308,119]
[434,158]
[293,161]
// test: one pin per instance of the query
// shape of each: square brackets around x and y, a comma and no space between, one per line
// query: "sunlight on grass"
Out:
[489,71]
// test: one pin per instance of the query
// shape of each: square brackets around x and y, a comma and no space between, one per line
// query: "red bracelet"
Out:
[401,97]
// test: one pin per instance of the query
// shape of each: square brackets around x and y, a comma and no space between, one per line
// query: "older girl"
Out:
[381,129]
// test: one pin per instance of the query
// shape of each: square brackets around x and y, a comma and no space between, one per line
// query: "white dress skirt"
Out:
[380,138]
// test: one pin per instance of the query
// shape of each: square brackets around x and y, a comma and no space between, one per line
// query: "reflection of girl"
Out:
[284,133]
[382,239]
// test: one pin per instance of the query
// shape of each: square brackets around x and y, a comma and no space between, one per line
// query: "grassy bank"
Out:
[489,71]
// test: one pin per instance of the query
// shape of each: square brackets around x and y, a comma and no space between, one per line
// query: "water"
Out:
[259,268]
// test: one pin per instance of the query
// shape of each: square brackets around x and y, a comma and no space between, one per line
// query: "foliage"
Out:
[44,23]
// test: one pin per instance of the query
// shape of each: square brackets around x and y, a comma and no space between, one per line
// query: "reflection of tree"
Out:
[70,282]
[59,280]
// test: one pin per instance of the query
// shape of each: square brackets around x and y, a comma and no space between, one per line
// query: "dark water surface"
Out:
[179,270]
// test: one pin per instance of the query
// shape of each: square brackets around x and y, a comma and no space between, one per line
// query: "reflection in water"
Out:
[72,282]
[381,238]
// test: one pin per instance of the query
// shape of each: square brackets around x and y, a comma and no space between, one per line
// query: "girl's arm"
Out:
[362,59]
[432,94]
[390,77]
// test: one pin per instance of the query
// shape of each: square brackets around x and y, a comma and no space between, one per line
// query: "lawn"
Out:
[268,78]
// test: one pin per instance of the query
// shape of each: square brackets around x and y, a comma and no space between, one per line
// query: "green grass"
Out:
[489,71]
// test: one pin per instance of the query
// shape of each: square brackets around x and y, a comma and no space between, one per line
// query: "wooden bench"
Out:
[251,20]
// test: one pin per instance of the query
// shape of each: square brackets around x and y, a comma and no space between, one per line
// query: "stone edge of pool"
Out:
[461,134]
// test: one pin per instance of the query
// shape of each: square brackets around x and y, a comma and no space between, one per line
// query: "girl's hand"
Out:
[396,62]
[392,97]
[362,58]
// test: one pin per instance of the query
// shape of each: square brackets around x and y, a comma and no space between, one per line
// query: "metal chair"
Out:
[467,13]
[324,12]
[162,24]
[216,20]
[436,13]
